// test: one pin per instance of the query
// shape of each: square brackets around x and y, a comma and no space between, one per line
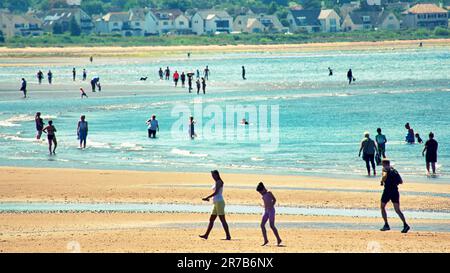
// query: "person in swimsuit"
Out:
[161,74]
[368,148]
[82,131]
[153,126]
[410,135]
[39,125]
[430,153]
[50,130]
[381,143]
[269,213]
[23,88]
[390,180]
[219,206]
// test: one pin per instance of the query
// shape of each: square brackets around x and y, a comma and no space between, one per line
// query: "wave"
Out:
[15,120]
[186,153]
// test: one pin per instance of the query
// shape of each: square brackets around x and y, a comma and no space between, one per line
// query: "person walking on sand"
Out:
[243,73]
[39,125]
[381,143]
[350,76]
[204,85]
[82,131]
[430,153]
[161,74]
[410,135]
[198,86]
[23,88]
[40,76]
[83,94]
[167,74]
[50,77]
[153,126]
[50,130]
[206,73]
[368,148]
[183,79]
[219,206]
[390,180]
[84,74]
[176,77]
[269,213]
[74,74]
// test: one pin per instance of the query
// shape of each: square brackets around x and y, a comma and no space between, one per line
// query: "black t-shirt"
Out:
[392,180]
[432,146]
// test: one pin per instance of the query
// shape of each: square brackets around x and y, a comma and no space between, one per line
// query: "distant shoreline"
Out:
[167,51]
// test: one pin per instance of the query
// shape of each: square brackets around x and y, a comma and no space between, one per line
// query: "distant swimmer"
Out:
[50,130]
[430,153]
[243,73]
[82,131]
[84,74]
[40,76]
[269,213]
[419,139]
[83,94]
[192,134]
[23,88]
[390,180]
[183,79]
[153,126]
[74,74]
[206,73]
[204,85]
[143,79]
[197,82]
[330,71]
[368,149]
[176,77]
[167,73]
[244,121]
[94,82]
[161,73]
[39,125]
[50,77]
[381,143]
[350,76]
[219,206]
[190,75]
[410,135]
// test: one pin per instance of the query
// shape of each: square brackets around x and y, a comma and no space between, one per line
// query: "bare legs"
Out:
[271,217]
[399,213]
[433,167]
[211,225]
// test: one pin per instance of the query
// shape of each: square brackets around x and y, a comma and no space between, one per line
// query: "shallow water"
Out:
[24,207]
[321,118]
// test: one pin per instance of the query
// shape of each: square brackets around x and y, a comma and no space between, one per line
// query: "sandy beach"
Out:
[173,51]
[177,232]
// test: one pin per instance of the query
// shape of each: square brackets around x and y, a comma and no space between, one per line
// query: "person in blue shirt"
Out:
[153,126]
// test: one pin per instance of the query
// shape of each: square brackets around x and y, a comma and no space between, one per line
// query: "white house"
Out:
[330,21]
[19,24]
[256,23]
[211,21]
[169,21]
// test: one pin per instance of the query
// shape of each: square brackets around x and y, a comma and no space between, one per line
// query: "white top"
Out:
[219,196]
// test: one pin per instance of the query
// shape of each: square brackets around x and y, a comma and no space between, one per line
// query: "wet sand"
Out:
[177,232]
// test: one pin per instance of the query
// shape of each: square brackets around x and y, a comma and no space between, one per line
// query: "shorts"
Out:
[431,158]
[390,195]
[219,208]
[50,137]
[151,133]
[368,157]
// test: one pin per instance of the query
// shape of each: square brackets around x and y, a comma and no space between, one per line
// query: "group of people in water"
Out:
[200,81]
[50,131]
[374,150]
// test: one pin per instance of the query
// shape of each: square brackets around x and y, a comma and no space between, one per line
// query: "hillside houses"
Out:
[371,15]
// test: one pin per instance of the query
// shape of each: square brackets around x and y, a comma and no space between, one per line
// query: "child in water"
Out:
[269,213]
[410,135]
[83,94]
[419,139]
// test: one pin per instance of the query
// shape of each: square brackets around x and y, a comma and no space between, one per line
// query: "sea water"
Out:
[321,118]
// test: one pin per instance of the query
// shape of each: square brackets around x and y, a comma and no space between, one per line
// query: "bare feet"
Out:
[203,236]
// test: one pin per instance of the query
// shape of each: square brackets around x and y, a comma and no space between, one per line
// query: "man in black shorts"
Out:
[430,153]
[390,180]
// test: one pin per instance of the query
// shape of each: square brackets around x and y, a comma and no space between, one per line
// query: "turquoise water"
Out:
[321,118]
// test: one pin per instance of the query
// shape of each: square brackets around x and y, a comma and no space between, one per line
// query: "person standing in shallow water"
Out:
[219,206]
[368,148]
[167,73]
[183,79]
[161,74]
[74,74]
[330,71]
[197,82]
[390,180]
[204,85]
[206,73]
[40,76]
[430,153]
[350,76]
[381,143]
[410,135]
[243,73]
[84,74]
[50,77]
[153,126]
[82,130]
[50,130]
[23,88]
[39,125]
